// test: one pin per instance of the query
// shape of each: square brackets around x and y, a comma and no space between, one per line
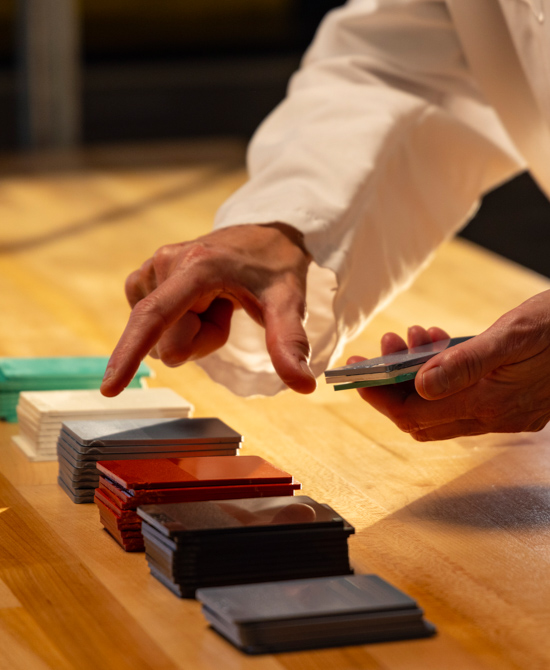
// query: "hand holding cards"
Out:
[393,368]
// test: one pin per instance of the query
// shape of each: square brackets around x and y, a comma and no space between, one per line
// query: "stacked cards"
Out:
[124,485]
[41,413]
[82,443]
[216,543]
[400,366]
[43,374]
[312,613]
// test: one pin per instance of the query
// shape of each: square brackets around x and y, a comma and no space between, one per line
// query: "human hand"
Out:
[495,382]
[183,300]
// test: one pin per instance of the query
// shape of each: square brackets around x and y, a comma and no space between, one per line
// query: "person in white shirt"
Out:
[403,114]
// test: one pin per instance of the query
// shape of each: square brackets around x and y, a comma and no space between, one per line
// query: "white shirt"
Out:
[382,149]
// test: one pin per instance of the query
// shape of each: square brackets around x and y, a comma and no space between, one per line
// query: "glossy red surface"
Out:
[189,472]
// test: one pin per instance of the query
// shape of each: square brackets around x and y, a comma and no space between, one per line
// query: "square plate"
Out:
[241,515]
[311,599]
[391,363]
[122,432]
[189,472]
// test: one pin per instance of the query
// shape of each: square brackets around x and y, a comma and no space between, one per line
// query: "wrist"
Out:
[292,234]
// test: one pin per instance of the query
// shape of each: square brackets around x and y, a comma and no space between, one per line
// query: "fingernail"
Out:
[435,382]
[305,367]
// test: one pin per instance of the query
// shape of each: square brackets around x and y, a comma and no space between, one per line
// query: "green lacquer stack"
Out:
[52,374]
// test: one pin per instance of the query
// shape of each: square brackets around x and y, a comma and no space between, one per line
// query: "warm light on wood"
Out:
[463,526]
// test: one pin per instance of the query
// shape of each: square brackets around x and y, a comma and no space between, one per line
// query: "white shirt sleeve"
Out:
[380,151]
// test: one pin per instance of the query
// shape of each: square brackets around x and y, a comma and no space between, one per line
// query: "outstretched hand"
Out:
[183,299]
[496,382]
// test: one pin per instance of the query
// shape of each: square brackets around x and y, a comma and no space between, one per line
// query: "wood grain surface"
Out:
[463,525]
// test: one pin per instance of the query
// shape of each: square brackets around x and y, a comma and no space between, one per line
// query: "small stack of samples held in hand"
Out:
[312,613]
[49,374]
[124,485]
[41,413]
[195,545]
[82,444]
[395,368]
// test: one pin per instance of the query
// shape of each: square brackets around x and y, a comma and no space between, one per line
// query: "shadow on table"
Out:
[519,507]
[509,491]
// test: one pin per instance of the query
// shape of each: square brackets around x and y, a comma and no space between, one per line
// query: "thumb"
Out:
[460,366]
[288,344]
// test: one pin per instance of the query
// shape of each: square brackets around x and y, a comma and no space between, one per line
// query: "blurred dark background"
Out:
[174,68]
[206,68]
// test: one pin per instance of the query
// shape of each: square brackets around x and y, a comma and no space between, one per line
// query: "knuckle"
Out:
[518,332]
[525,328]
[297,342]
[292,338]
[162,257]
[133,278]
[174,359]
[406,423]
[299,339]
[188,252]
[147,310]
[164,252]
[199,262]
[467,366]
[200,252]
[131,285]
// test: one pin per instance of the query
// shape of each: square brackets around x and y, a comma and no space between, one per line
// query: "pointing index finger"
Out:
[148,320]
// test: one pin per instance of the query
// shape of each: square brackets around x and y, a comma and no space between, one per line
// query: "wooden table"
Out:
[463,526]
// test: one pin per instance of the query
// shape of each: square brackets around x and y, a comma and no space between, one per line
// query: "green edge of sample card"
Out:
[52,369]
[53,374]
[378,382]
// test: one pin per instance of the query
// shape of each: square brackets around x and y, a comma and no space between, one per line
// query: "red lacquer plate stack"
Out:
[125,485]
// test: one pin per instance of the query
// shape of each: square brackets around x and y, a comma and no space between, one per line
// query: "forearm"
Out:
[381,150]
[369,150]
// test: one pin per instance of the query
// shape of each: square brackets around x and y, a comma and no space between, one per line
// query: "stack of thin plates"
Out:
[45,374]
[41,413]
[312,613]
[124,485]
[401,366]
[216,543]
[82,443]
